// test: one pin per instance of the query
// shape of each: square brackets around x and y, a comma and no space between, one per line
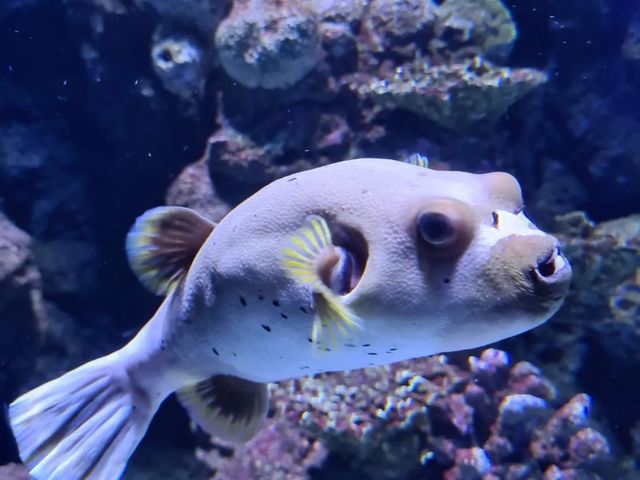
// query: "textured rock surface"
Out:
[454,96]
[424,418]
[487,24]
[268,43]
[22,318]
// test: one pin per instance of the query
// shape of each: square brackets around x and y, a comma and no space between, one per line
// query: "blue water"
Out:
[111,107]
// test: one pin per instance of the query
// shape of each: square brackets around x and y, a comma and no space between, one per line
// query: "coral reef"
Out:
[606,259]
[279,452]
[13,472]
[424,418]
[487,24]
[391,24]
[453,96]
[180,63]
[22,317]
[268,43]
[194,189]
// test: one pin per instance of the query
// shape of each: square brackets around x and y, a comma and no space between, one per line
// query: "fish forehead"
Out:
[369,193]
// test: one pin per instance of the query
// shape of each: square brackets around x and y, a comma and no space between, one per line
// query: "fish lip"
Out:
[552,275]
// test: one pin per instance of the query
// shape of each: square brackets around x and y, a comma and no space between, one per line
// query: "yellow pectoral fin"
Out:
[308,253]
[306,247]
[333,320]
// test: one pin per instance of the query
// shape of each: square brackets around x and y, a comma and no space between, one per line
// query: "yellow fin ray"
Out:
[303,260]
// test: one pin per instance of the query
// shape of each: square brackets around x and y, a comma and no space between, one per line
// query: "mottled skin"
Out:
[239,313]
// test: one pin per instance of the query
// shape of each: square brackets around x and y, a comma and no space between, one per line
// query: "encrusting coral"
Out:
[268,43]
[453,95]
[427,417]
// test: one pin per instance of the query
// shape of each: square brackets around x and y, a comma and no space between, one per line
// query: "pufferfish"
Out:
[358,263]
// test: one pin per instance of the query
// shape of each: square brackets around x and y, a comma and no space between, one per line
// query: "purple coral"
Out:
[427,418]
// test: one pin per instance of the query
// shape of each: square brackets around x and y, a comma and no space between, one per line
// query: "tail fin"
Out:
[82,426]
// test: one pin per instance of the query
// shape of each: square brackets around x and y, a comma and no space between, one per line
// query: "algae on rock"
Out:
[486,24]
[454,96]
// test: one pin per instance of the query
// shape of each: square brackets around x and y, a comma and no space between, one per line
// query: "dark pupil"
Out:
[435,227]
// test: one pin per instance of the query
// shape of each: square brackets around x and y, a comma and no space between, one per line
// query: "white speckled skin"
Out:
[240,314]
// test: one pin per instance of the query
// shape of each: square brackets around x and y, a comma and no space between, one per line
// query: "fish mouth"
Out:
[551,275]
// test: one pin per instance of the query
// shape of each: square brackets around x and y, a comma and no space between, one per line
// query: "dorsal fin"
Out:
[228,407]
[418,160]
[162,244]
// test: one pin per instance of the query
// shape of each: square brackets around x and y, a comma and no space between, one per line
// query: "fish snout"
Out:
[529,272]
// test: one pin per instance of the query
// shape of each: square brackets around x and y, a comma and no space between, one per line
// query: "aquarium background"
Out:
[111,107]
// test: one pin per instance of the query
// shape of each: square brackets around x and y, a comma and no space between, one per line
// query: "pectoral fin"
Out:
[309,259]
[162,244]
[228,407]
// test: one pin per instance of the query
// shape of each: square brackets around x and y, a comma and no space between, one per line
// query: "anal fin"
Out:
[227,407]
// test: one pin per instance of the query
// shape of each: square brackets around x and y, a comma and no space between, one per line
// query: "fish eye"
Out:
[436,228]
[446,227]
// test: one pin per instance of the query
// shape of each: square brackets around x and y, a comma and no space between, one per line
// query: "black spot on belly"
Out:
[446,280]
[303,310]
[276,303]
[266,327]
[393,349]
[215,351]
[309,340]
[349,345]
[283,316]
[260,297]
[366,344]
[243,301]
[372,353]
[234,354]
